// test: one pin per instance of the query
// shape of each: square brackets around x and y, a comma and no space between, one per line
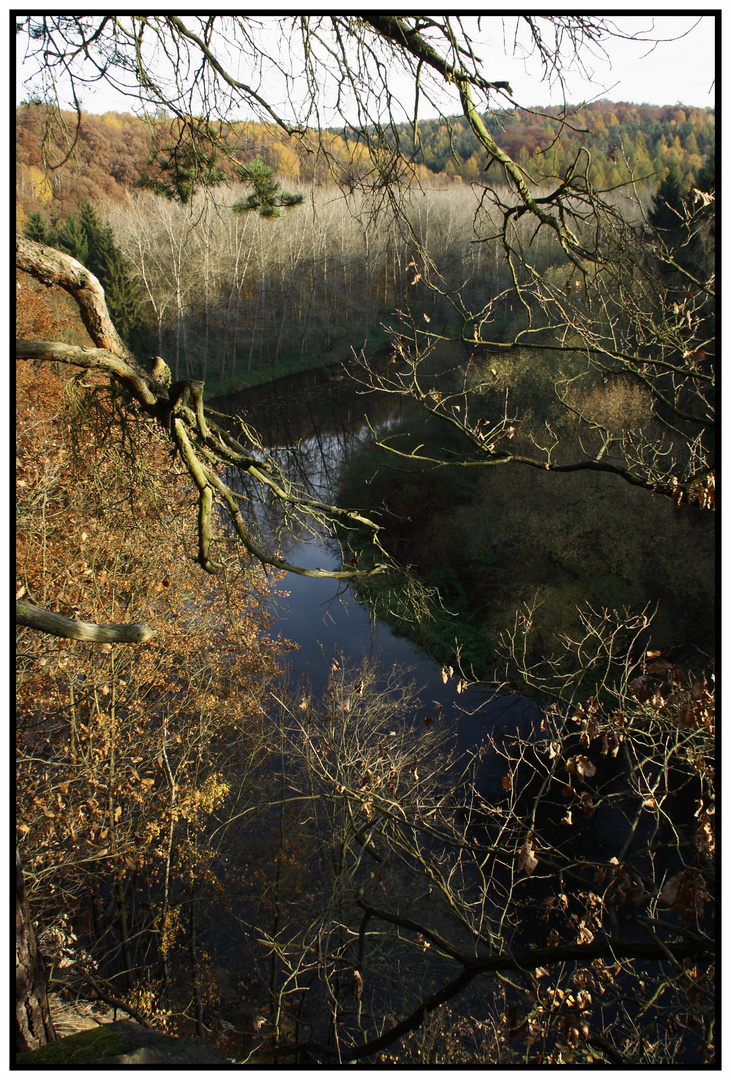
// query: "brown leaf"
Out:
[507,781]
[669,892]
[584,767]
[428,720]
[526,858]
[585,935]
[357,985]
[685,715]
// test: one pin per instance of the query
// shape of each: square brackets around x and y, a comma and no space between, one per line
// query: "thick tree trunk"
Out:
[33,1026]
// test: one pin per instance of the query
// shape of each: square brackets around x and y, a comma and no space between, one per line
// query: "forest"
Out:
[308,292]
[284,873]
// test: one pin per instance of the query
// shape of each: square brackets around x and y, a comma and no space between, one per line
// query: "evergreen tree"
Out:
[267,196]
[183,170]
[121,289]
[72,239]
[707,176]
[668,207]
[36,227]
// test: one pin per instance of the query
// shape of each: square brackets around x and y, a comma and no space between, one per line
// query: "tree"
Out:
[100,818]
[546,881]
[593,283]
[668,208]
[93,244]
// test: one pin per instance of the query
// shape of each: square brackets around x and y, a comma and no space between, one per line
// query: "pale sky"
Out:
[673,71]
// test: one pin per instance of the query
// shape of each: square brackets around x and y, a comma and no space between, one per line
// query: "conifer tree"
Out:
[267,196]
[72,238]
[668,209]
[36,227]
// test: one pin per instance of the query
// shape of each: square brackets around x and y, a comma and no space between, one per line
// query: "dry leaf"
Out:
[526,858]
[581,766]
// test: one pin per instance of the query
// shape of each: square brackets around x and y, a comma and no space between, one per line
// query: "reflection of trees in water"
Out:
[311,425]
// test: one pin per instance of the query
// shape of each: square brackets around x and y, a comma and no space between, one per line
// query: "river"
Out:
[317,420]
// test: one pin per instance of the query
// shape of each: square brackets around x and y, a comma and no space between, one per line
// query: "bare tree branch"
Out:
[48,622]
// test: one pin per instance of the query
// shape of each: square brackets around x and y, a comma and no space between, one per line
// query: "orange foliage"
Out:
[126,755]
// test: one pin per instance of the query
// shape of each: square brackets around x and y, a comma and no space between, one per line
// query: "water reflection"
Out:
[313,424]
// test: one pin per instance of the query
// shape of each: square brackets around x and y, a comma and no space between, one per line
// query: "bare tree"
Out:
[560,878]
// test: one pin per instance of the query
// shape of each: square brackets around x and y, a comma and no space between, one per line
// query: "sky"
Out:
[679,69]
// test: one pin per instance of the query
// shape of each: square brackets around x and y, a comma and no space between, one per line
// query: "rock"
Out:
[122,1043]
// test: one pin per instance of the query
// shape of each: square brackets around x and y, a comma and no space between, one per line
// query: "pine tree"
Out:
[184,169]
[267,196]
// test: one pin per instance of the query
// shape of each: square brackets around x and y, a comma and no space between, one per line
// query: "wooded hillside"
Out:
[112,151]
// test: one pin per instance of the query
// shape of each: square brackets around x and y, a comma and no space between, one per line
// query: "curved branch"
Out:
[53,267]
[48,622]
[91,359]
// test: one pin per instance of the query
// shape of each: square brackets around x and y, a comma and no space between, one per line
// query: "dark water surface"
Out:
[318,419]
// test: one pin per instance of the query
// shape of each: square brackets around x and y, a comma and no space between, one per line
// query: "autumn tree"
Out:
[594,284]
[148,748]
